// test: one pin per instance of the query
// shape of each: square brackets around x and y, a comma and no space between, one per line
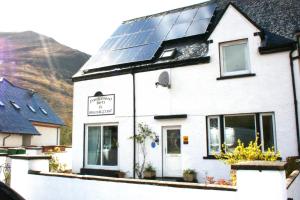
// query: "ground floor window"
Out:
[228,129]
[101,145]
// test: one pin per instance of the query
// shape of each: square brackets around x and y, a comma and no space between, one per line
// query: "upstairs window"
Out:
[234,58]
[15,105]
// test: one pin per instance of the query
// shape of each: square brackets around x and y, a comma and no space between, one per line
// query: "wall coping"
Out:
[34,148]
[292,177]
[30,157]
[139,181]
[260,165]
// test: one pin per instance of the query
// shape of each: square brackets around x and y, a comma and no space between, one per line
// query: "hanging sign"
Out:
[101,105]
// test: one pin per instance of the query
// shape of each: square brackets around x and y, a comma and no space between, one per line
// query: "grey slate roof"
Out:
[280,17]
[277,19]
[18,121]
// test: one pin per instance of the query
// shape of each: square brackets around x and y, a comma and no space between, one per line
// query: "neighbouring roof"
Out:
[277,21]
[20,107]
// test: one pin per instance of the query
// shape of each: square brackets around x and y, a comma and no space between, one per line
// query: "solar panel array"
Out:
[139,40]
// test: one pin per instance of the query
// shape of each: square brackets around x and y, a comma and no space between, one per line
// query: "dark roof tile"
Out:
[19,120]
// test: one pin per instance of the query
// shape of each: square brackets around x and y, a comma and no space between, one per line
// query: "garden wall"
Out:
[31,179]
[293,185]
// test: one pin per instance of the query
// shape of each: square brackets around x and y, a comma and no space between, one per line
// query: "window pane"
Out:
[239,127]
[110,145]
[94,145]
[173,141]
[268,132]
[214,135]
[234,57]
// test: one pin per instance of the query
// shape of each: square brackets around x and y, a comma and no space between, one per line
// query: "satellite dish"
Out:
[163,80]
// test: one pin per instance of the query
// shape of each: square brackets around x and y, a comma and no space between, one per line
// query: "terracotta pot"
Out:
[149,174]
[189,177]
[121,174]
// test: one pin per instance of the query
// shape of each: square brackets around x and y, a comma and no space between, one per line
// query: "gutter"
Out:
[3,141]
[295,96]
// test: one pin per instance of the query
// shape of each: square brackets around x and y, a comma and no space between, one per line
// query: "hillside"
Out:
[37,62]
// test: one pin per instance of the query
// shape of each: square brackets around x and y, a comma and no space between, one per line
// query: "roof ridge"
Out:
[170,11]
[12,84]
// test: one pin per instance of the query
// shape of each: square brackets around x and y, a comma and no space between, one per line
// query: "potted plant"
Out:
[121,174]
[149,172]
[189,175]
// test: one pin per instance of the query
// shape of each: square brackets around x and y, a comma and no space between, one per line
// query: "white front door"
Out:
[172,152]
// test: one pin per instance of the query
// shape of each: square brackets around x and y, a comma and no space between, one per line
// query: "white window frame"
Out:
[262,131]
[230,43]
[256,120]
[105,167]
[208,136]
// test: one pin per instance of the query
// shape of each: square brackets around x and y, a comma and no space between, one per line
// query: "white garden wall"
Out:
[264,179]
[294,186]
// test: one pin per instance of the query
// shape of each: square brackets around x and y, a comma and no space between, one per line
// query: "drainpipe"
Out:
[295,97]
[134,123]
[3,142]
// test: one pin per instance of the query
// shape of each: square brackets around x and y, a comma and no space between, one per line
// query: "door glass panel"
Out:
[173,141]
[110,145]
[94,145]
[268,132]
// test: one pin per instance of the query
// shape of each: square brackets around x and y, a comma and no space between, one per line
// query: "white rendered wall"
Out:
[195,92]
[121,86]
[48,136]
[13,140]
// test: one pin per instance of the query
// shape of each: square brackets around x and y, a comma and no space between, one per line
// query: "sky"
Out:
[79,24]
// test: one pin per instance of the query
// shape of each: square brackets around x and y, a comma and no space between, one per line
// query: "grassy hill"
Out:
[37,62]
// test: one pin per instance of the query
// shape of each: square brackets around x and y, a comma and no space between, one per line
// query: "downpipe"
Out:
[4,139]
[295,96]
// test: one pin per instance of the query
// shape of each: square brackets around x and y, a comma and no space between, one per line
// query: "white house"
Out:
[25,118]
[227,71]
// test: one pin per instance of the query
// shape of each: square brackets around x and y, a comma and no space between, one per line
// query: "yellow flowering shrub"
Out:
[251,152]
[241,153]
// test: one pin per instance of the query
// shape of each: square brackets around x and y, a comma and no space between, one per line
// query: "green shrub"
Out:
[189,171]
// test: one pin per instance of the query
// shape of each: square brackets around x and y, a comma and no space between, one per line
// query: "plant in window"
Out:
[241,153]
[144,134]
[189,175]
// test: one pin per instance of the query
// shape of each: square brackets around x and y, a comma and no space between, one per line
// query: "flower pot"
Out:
[189,177]
[121,174]
[149,174]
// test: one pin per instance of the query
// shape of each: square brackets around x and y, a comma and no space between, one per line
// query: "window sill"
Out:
[236,76]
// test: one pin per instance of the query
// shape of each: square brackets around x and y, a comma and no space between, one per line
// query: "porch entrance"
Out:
[172,152]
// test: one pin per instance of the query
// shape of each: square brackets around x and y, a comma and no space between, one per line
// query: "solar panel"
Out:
[205,12]
[152,23]
[198,27]
[186,16]
[139,40]
[178,31]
